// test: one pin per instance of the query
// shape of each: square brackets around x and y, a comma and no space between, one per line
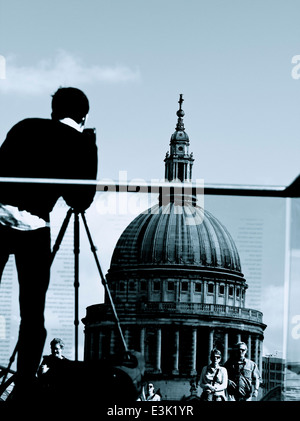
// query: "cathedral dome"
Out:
[176,236]
[176,233]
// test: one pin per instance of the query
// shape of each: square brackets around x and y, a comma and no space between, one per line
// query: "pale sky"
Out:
[231,60]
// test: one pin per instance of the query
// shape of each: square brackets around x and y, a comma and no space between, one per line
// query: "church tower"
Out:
[179,162]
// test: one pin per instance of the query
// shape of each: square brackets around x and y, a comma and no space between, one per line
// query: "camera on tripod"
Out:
[90,133]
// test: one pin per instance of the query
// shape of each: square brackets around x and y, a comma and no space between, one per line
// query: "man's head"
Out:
[240,349]
[215,355]
[69,102]
[56,347]
[150,388]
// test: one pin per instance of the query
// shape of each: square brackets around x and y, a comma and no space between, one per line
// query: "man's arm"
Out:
[223,385]
[228,366]
[85,166]
[256,378]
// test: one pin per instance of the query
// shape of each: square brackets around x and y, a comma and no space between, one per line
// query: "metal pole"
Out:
[76,279]
[104,281]
[61,234]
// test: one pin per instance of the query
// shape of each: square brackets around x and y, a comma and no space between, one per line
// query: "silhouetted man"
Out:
[56,148]
[242,375]
[54,367]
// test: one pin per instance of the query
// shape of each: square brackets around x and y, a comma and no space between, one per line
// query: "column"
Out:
[112,341]
[216,286]
[191,170]
[225,356]
[210,343]
[249,347]
[176,353]
[158,350]
[205,285]
[163,290]
[256,351]
[191,289]
[100,339]
[234,297]
[92,349]
[177,290]
[86,345]
[142,340]
[238,337]
[260,358]
[194,351]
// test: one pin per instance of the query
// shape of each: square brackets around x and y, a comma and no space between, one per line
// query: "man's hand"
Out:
[44,368]
[231,383]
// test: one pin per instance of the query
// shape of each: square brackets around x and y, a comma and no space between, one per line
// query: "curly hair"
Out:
[57,341]
[69,102]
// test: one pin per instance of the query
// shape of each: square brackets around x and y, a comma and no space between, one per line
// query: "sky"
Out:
[231,60]
[234,61]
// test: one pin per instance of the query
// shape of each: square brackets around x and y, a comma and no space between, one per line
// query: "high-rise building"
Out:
[273,376]
[177,284]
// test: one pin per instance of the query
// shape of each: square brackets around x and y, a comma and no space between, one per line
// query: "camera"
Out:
[90,133]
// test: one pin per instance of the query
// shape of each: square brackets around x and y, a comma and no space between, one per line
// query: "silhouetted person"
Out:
[50,361]
[52,368]
[56,148]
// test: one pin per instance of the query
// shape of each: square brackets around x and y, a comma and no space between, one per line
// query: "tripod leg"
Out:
[61,234]
[76,279]
[104,281]
[11,360]
[76,264]
[4,385]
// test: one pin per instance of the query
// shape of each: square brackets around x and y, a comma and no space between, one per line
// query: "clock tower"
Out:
[179,162]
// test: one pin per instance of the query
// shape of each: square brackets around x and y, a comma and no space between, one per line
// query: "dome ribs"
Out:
[155,246]
[176,235]
[213,241]
[192,239]
[205,251]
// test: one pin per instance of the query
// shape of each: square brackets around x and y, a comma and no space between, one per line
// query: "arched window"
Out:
[210,288]
[198,287]
[156,286]
[184,286]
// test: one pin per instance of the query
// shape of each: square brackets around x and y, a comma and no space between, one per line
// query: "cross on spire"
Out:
[180,101]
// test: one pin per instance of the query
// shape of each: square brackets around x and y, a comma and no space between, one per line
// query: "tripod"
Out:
[55,249]
[76,269]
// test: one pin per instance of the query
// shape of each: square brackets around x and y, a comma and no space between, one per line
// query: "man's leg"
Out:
[33,266]
[5,247]
[3,261]
[4,250]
